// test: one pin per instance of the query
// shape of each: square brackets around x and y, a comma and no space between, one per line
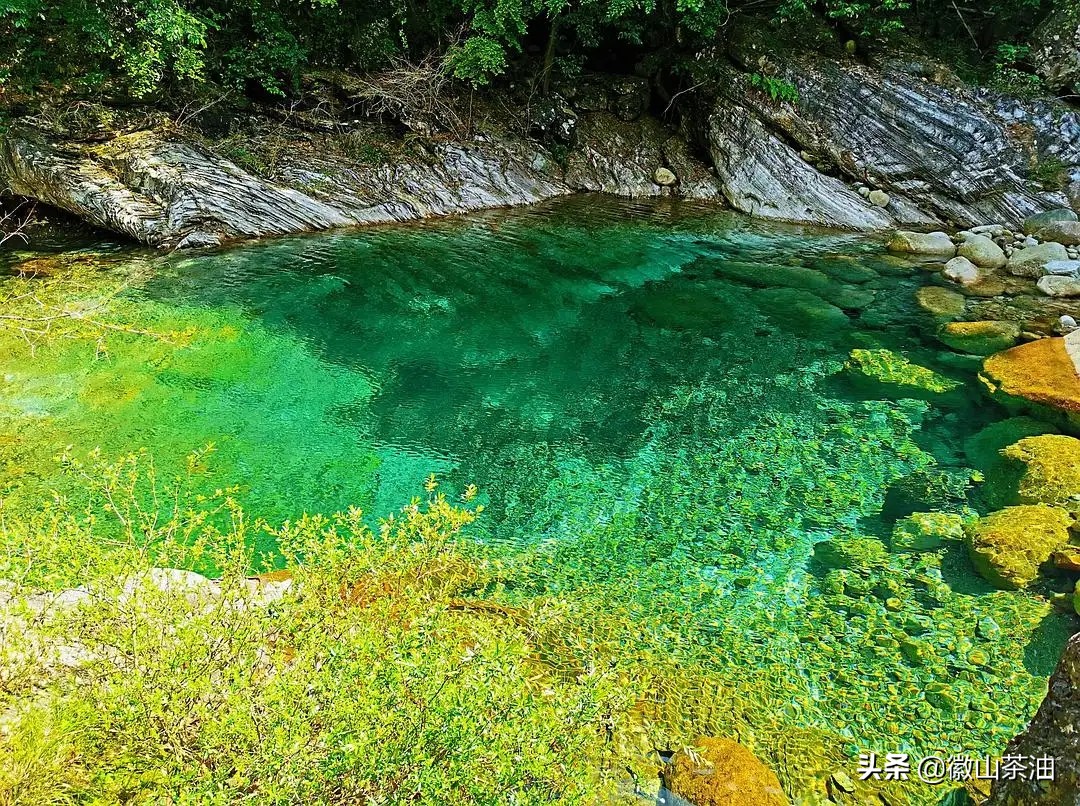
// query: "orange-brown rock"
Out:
[721,772]
[1042,375]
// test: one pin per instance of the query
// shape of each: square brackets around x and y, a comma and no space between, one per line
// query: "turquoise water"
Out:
[653,402]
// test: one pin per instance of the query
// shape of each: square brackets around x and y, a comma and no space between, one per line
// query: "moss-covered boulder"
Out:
[888,367]
[1002,475]
[941,303]
[1051,470]
[721,772]
[980,338]
[1009,546]
[1040,376]
[926,531]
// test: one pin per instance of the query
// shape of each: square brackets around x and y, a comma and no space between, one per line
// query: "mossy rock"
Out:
[852,553]
[721,772]
[941,303]
[979,338]
[926,531]
[983,451]
[888,367]
[1009,546]
[1051,470]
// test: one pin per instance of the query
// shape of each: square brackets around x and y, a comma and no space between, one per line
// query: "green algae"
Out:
[669,451]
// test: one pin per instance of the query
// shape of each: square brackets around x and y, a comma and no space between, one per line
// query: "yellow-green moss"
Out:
[888,367]
[980,338]
[1008,547]
[941,303]
[1051,470]
[721,772]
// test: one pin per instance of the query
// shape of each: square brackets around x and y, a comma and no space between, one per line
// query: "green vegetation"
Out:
[155,48]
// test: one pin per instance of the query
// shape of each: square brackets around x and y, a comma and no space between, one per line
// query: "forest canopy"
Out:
[144,48]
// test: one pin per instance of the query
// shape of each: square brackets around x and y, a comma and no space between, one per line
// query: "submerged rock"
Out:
[721,772]
[940,302]
[922,243]
[1054,732]
[979,338]
[1009,546]
[1042,375]
[888,367]
[1051,470]
[926,531]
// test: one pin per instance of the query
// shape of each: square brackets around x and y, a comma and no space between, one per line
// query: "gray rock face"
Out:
[1054,732]
[943,149]
[922,243]
[981,251]
[165,192]
[765,177]
[619,157]
[1031,261]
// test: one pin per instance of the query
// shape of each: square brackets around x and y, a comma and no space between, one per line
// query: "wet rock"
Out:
[851,553]
[1033,224]
[1042,376]
[1051,472]
[1063,232]
[1058,286]
[922,243]
[1054,732]
[983,451]
[981,251]
[980,338]
[885,366]
[926,531]
[722,772]
[1031,261]
[1008,547]
[941,303]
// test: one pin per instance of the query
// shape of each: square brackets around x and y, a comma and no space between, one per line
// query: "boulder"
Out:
[1051,465]
[721,772]
[979,338]
[926,531]
[1009,546]
[1063,232]
[1042,376]
[941,303]
[885,366]
[962,271]
[664,177]
[1057,286]
[1031,261]
[879,198]
[1033,224]
[1054,732]
[1063,268]
[922,243]
[981,251]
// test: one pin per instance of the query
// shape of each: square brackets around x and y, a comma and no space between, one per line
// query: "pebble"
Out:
[1065,324]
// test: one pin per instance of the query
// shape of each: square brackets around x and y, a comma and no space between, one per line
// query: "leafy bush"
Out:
[373,678]
[778,89]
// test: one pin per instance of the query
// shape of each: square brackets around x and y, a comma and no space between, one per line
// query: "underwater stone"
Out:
[889,367]
[853,553]
[722,772]
[1040,375]
[1009,546]
[940,302]
[1051,470]
[980,338]
[926,531]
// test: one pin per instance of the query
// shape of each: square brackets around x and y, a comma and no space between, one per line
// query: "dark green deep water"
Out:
[653,403]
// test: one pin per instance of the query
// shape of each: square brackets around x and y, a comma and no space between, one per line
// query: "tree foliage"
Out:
[150,47]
